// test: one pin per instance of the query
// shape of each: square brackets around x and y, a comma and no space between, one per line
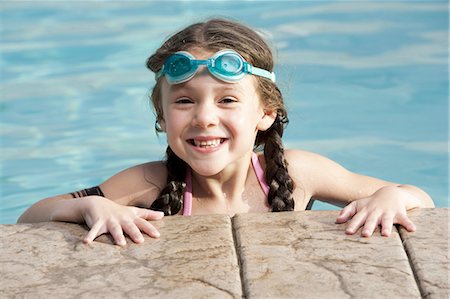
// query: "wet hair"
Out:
[214,35]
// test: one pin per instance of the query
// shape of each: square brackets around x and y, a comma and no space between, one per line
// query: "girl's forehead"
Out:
[203,81]
[201,53]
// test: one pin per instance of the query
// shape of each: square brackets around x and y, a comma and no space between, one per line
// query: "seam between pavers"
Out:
[411,265]
[239,258]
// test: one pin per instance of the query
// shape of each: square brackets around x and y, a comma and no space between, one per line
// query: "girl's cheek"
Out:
[242,119]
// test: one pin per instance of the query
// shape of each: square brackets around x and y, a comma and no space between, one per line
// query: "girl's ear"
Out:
[162,125]
[267,120]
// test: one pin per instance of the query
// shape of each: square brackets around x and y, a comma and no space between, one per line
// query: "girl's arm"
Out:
[44,210]
[136,186]
[370,201]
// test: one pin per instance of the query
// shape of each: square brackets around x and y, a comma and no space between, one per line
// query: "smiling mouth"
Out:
[210,143]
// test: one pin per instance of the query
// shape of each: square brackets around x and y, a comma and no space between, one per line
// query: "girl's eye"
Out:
[184,101]
[228,100]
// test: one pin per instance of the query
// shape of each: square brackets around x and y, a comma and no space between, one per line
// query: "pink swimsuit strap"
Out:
[259,171]
[187,198]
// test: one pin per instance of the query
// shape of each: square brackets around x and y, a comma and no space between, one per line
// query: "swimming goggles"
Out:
[226,65]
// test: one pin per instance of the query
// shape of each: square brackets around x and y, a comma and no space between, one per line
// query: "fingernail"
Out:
[160,214]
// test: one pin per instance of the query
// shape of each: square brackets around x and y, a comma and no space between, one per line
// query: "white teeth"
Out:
[207,143]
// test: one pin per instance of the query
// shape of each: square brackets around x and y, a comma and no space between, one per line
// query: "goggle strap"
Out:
[160,73]
[260,72]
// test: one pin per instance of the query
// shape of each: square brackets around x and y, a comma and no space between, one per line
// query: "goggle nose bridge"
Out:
[209,63]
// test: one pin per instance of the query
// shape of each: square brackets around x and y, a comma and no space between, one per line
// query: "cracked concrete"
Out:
[310,256]
[428,251]
[48,260]
[281,255]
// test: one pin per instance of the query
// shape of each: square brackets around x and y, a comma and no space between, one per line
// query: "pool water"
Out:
[366,84]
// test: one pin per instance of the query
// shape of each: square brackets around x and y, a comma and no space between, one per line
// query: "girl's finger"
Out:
[346,213]
[117,233]
[386,225]
[404,221]
[147,228]
[93,233]
[133,232]
[370,225]
[356,222]
[149,214]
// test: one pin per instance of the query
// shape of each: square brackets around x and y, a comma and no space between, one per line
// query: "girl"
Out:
[216,99]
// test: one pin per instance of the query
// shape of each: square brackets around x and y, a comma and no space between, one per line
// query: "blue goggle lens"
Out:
[178,66]
[228,64]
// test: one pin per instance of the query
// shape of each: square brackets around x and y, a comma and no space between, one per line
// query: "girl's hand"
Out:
[103,215]
[385,207]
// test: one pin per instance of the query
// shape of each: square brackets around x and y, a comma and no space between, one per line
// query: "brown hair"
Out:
[214,35]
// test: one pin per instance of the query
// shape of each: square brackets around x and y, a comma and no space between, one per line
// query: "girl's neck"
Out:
[227,185]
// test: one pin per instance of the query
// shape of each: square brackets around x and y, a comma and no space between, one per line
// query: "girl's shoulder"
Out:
[138,185]
[302,159]
[301,164]
[298,160]
[309,166]
[311,170]
[304,169]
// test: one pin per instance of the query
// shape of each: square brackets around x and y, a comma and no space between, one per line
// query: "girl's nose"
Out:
[205,115]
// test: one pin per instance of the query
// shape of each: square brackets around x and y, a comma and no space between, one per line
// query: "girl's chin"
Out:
[206,171]
[207,167]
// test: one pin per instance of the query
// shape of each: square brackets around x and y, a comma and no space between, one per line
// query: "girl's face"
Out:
[211,124]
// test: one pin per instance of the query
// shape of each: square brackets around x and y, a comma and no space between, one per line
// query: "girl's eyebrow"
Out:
[234,87]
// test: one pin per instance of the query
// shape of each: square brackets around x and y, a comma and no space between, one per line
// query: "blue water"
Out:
[366,84]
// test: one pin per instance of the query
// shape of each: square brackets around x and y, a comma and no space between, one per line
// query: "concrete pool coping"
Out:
[271,255]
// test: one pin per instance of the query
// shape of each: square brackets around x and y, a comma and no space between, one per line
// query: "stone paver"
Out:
[281,255]
[306,255]
[428,250]
[193,256]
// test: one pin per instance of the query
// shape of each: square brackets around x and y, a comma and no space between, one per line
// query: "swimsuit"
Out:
[187,198]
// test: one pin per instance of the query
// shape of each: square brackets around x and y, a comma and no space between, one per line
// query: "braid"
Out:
[170,200]
[281,184]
